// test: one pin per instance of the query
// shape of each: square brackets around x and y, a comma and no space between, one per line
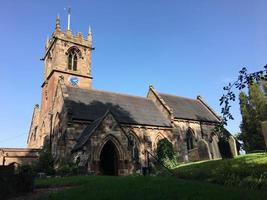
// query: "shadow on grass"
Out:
[247,170]
[131,188]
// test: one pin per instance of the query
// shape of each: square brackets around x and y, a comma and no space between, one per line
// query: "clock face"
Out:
[73,80]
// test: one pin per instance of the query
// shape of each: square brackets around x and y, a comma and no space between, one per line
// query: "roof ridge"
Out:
[179,96]
[199,98]
[118,93]
[196,110]
[94,125]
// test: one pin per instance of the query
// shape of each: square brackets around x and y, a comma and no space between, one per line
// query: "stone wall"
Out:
[149,137]
[109,130]
[21,156]
[201,131]
[56,53]
[33,135]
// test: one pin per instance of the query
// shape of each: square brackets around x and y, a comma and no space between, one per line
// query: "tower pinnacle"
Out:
[69,18]
[89,36]
[47,42]
[58,23]
[89,30]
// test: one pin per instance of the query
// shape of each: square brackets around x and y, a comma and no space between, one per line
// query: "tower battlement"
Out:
[66,55]
[68,36]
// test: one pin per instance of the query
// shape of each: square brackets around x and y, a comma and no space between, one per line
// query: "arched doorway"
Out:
[109,159]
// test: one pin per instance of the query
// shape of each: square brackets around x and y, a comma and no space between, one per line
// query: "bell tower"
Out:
[68,56]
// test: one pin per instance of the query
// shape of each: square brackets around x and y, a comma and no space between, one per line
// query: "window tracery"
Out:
[133,145]
[73,54]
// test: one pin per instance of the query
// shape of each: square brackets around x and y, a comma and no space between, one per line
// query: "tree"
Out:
[253,109]
[45,162]
[244,80]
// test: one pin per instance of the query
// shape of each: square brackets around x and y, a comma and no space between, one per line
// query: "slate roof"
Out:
[185,108]
[90,105]
[88,131]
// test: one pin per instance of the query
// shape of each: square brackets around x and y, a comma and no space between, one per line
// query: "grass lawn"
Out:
[101,187]
[248,170]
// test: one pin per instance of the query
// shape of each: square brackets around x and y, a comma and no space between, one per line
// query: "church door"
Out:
[109,160]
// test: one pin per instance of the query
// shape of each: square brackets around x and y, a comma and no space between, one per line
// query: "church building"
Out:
[107,132]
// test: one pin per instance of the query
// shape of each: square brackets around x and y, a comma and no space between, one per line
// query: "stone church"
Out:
[107,132]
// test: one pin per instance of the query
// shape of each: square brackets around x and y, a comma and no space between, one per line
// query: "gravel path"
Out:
[38,192]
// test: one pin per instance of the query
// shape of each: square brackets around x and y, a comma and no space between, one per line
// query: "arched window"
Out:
[189,140]
[73,54]
[72,60]
[158,138]
[133,144]
[34,133]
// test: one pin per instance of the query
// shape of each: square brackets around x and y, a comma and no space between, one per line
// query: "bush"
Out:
[164,149]
[67,168]
[165,153]
[170,163]
[45,163]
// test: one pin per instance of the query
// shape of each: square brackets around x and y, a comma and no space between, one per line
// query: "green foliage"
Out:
[244,80]
[170,163]
[164,149]
[132,188]
[254,110]
[165,153]
[67,169]
[45,163]
[243,171]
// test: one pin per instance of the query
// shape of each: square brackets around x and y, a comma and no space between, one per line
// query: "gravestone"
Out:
[203,150]
[193,155]
[232,143]
[264,132]
[214,147]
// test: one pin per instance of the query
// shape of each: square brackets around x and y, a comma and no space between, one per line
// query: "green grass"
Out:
[245,171]
[100,187]
[244,177]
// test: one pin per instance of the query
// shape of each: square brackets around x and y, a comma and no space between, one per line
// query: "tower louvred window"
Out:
[72,60]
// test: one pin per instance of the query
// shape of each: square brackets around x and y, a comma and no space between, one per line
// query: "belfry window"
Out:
[72,60]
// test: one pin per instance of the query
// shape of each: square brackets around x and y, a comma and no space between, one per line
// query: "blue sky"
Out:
[187,48]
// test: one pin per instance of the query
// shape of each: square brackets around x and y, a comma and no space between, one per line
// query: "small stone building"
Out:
[18,156]
[106,132]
